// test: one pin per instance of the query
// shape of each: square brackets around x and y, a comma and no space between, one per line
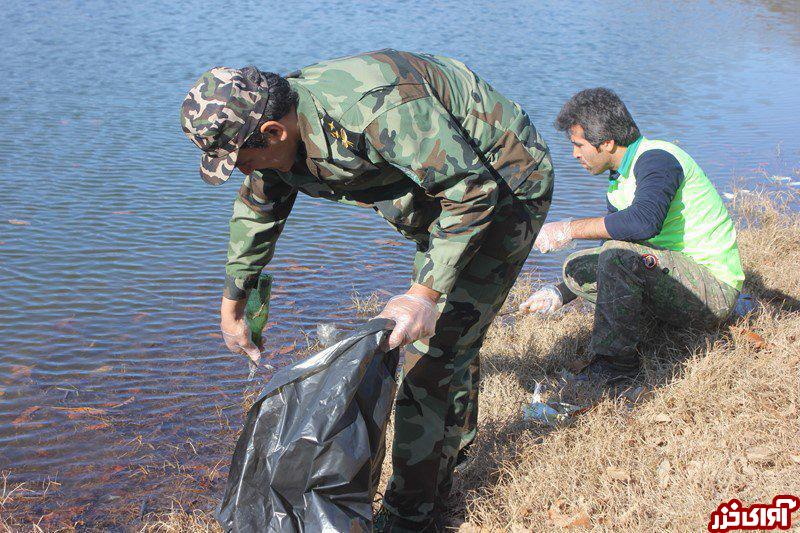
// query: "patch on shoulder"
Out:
[347,139]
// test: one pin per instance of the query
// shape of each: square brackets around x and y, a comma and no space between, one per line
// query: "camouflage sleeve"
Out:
[421,140]
[259,214]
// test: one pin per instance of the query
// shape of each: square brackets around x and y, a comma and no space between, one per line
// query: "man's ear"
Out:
[608,146]
[274,130]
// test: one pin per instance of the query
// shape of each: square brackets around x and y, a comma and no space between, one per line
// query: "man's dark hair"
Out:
[281,100]
[601,114]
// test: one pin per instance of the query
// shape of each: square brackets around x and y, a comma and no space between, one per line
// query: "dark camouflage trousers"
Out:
[629,281]
[437,401]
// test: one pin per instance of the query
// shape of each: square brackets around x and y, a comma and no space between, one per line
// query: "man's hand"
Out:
[235,331]
[554,236]
[546,300]
[414,314]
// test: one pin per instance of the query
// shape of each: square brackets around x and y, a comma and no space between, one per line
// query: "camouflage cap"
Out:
[219,114]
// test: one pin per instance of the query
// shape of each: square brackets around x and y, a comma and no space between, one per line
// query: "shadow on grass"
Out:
[770,295]
[663,354]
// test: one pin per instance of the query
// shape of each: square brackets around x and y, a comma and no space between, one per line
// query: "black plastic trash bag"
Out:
[309,456]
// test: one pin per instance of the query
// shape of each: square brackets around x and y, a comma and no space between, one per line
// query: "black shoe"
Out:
[386,522]
[611,373]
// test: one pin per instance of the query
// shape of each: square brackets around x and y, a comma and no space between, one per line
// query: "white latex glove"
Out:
[414,318]
[241,343]
[554,236]
[546,300]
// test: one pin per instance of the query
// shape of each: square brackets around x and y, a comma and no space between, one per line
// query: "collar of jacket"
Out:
[627,159]
[308,119]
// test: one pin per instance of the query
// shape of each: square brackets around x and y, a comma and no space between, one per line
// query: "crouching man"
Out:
[671,250]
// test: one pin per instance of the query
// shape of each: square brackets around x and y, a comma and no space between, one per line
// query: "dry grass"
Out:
[366,306]
[14,493]
[717,416]
[718,420]
[179,520]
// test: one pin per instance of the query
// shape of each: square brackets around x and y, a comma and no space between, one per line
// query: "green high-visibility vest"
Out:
[697,223]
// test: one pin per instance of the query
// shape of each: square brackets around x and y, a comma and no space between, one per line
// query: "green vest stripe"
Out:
[697,223]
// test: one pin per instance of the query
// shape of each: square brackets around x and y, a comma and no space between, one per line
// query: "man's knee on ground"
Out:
[618,255]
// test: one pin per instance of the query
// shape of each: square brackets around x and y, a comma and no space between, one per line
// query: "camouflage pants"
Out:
[436,411]
[628,281]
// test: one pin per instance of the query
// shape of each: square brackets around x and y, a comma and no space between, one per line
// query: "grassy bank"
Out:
[716,417]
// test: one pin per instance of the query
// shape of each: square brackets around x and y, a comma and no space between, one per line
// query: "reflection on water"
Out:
[111,270]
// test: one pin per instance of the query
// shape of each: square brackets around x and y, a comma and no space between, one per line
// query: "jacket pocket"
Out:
[412,214]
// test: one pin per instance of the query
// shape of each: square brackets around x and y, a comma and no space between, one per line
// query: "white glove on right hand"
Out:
[546,300]
[554,236]
[414,318]
[241,343]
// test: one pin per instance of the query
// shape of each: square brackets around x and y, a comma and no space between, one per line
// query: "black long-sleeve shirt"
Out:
[658,176]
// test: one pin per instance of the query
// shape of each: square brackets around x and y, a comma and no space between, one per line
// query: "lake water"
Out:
[110,358]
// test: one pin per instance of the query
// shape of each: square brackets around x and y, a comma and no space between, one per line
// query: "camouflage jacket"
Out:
[418,138]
